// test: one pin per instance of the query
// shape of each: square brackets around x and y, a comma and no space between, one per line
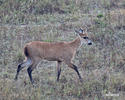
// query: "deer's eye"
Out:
[85,37]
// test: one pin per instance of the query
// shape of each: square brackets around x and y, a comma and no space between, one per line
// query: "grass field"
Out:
[101,65]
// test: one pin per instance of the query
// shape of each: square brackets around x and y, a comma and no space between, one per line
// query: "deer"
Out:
[36,51]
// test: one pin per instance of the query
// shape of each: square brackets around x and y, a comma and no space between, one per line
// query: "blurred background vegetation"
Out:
[101,65]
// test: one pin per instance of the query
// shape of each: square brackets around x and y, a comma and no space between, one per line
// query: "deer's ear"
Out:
[76,32]
[81,31]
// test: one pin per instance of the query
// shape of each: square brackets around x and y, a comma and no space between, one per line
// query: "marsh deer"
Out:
[59,51]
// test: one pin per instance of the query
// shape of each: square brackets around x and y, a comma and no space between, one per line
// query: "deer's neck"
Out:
[76,43]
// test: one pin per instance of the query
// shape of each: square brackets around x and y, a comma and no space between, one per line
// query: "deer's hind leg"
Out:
[58,69]
[28,62]
[32,67]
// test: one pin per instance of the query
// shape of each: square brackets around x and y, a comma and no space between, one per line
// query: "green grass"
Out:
[101,65]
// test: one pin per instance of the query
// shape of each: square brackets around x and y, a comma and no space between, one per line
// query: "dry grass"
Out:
[101,65]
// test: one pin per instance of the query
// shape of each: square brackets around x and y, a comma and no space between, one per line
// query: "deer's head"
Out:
[83,35]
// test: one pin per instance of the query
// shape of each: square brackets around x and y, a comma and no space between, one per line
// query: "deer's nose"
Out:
[89,42]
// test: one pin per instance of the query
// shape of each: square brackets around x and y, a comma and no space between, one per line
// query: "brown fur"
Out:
[60,51]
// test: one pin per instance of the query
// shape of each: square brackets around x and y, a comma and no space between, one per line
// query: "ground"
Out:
[101,65]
